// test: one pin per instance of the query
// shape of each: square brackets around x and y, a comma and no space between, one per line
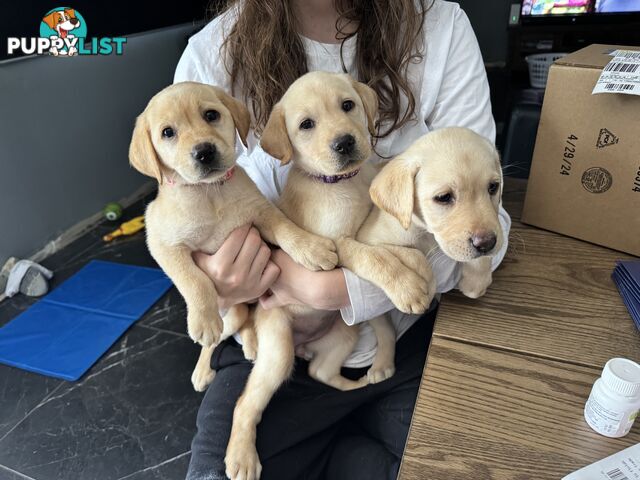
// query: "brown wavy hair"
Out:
[264,51]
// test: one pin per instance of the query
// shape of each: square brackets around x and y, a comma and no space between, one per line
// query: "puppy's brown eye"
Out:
[493,188]
[348,105]
[307,124]
[211,115]
[444,199]
[168,132]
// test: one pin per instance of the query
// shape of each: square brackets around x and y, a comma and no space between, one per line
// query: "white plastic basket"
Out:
[539,67]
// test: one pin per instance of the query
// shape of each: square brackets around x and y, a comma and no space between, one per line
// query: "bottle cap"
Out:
[622,376]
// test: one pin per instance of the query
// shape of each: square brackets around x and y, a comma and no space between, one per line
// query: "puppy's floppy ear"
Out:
[370,101]
[275,138]
[240,114]
[392,190]
[70,11]
[50,20]
[142,154]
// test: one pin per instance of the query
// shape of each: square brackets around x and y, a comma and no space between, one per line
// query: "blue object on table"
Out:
[66,332]
[626,276]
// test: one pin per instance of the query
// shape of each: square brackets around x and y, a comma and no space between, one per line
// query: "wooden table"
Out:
[507,376]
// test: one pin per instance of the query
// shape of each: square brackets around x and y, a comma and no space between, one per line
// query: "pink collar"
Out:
[227,176]
[336,178]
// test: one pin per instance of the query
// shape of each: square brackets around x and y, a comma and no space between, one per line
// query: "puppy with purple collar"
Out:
[323,126]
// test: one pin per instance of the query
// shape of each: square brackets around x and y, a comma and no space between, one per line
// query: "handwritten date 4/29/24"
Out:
[568,155]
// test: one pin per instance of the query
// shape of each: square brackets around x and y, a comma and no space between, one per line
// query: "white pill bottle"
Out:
[615,398]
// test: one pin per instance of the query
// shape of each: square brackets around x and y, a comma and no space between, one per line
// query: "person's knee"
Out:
[388,419]
[204,470]
[213,423]
[359,457]
[208,449]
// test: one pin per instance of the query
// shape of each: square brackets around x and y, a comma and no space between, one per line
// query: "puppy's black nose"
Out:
[74,21]
[483,241]
[204,153]
[344,145]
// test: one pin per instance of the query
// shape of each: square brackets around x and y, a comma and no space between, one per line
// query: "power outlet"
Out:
[514,14]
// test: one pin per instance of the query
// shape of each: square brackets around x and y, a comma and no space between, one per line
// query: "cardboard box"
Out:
[585,173]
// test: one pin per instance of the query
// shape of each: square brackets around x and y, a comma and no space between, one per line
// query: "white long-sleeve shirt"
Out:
[450,88]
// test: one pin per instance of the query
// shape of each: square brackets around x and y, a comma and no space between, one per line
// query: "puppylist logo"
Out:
[63,33]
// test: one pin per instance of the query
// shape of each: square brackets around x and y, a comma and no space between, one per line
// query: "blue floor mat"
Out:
[66,332]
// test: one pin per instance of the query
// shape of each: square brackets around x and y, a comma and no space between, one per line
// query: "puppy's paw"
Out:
[411,285]
[202,377]
[204,327]
[315,253]
[474,286]
[249,344]
[411,293]
[242,462]
[475,277]
[380,373]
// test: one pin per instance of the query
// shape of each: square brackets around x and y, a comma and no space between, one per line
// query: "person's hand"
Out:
[322,290]
[241,269]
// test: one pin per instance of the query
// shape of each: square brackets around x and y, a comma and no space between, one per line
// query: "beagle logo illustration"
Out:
[63,32]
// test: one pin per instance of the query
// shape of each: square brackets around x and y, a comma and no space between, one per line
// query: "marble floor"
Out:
[131,416]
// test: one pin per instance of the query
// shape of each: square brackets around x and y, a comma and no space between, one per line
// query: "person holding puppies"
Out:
[422,59]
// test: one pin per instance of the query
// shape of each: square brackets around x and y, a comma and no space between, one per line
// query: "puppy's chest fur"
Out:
[331,210]
[201,217]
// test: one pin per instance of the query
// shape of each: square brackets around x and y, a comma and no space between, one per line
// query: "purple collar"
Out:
[336,178]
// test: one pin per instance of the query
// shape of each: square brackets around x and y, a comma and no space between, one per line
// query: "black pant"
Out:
[310,430]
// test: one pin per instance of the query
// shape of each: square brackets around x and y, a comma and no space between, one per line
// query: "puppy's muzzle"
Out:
[74,21]
[344,145]
[347,152]
[205,154]
[483,241]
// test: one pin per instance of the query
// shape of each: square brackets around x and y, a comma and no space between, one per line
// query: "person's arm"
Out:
[322,290]
[462,100]
[366,300]
[202,59]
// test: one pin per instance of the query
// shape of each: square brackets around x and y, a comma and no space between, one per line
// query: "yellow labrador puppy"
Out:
[186,139]
[323,126]
[444,190]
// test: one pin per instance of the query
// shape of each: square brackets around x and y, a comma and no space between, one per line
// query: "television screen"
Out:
[578,7]
[617,6]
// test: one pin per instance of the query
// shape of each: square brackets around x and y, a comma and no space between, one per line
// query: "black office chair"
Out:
[520,136]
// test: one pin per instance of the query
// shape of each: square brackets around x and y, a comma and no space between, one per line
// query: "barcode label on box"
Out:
[624,465]
[621,74]
[622,67]
[619,87]
[616,474]
[628,54]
